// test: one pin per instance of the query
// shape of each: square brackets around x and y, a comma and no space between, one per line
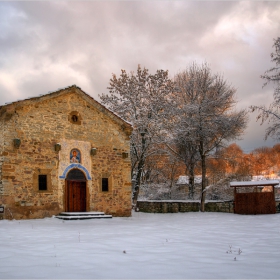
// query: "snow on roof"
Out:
[183,180]
[254,183]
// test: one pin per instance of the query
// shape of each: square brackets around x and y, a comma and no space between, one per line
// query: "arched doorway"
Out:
[75,193]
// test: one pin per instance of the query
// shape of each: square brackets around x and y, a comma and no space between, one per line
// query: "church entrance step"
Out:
[82,215]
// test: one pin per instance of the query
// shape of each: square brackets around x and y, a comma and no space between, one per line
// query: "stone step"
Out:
[82,215]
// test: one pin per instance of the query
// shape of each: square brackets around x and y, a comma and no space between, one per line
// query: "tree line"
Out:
[188,119]
[162,170]
[231,160]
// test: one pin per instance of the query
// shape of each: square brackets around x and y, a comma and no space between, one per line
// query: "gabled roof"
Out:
[9,107]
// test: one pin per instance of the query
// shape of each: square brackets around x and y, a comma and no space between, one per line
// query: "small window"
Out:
[105,184]
[42,182]
[74,118]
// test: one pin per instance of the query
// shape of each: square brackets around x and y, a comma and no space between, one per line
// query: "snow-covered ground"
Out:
[154,246]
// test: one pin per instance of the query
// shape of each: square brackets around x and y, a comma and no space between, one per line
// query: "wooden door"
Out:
[76,196]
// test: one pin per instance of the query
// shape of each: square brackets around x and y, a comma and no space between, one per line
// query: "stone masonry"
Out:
[175,206]
[69,119]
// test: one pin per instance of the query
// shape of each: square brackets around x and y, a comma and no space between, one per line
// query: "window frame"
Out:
[47,173]
[74,117]
[109,181]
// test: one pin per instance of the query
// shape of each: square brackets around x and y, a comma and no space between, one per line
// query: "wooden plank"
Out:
[255,203]
[70,196]
[83,196]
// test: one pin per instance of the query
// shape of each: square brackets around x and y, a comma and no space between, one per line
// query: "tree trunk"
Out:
[203,183]
[137,187]
[137,182]
[190,165]
[140,168]
[191,184]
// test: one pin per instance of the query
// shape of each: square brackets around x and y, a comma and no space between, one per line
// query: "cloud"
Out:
[49,45]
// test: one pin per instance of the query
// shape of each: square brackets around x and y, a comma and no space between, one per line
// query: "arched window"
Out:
[76,174]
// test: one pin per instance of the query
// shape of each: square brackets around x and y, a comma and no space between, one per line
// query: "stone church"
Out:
[63,152]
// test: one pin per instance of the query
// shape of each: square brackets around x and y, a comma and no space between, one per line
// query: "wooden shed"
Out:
[254,197]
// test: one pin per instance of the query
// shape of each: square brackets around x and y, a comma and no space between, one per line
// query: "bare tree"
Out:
[139,98]
[271,113]
[205,113]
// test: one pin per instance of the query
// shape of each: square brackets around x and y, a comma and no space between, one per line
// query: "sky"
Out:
[192,245]
[46,45]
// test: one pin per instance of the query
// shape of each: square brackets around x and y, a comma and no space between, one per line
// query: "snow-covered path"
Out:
[154,246]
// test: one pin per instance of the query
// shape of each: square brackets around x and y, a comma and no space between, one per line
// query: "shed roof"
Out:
[254,183]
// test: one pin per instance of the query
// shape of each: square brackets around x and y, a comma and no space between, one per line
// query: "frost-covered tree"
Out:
[204,104]
[183,146]
[139,98]
[162,171]
[271,113]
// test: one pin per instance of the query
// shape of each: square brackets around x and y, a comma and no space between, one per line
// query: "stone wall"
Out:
[175,206]
[42,123]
